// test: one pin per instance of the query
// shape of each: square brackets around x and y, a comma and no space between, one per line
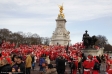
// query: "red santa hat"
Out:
[89,57]
[94,57]
[9,60]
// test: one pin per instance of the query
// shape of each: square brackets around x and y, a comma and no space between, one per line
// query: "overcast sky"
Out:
[38,16]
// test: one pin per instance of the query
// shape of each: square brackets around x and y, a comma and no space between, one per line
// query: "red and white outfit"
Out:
[107,65]
[87,64]
[109,70]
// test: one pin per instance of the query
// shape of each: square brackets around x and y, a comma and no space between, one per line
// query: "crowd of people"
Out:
[22,59]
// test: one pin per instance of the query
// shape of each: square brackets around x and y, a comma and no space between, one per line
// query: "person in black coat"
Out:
[56,61]
[83,59]
[61,65]
[21,65]
[5,68]
[33,58]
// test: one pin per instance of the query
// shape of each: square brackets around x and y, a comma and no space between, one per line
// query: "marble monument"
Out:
[60,36]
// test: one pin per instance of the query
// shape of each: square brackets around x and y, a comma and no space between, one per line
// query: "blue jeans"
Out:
[33,66]
[41,68]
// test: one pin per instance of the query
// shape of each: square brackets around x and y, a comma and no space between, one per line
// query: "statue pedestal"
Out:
[60,36]
[92,51]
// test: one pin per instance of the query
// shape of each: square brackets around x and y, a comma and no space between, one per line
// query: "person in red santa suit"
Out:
[52,56]
[87,64]
[110,66]
[107,64]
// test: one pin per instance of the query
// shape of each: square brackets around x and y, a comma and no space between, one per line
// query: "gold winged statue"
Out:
[61,15]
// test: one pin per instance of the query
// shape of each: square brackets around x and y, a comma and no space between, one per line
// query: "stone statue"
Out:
[85,39]
[89,41]
[60,35]
[61,15]
[93,41]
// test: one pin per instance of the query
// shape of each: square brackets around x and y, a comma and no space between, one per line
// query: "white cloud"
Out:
[81,10]
[26,22]
[41,14]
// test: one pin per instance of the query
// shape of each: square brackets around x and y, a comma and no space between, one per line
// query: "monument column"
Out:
[60,35]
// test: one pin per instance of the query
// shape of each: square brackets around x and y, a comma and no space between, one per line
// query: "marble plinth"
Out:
[60,36]
[94,52]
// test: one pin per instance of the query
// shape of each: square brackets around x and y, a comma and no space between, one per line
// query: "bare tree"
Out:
[108,47]
[102,41]
[23,38]
[46,41]
[5,33]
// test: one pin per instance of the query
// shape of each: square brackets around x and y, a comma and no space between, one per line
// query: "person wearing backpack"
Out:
[60,65]
[41,63]
[96,66]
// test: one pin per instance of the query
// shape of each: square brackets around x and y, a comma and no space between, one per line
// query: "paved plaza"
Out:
[67,71]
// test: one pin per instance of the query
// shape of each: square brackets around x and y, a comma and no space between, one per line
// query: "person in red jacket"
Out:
[87,64]
[107,65]
[110,66]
